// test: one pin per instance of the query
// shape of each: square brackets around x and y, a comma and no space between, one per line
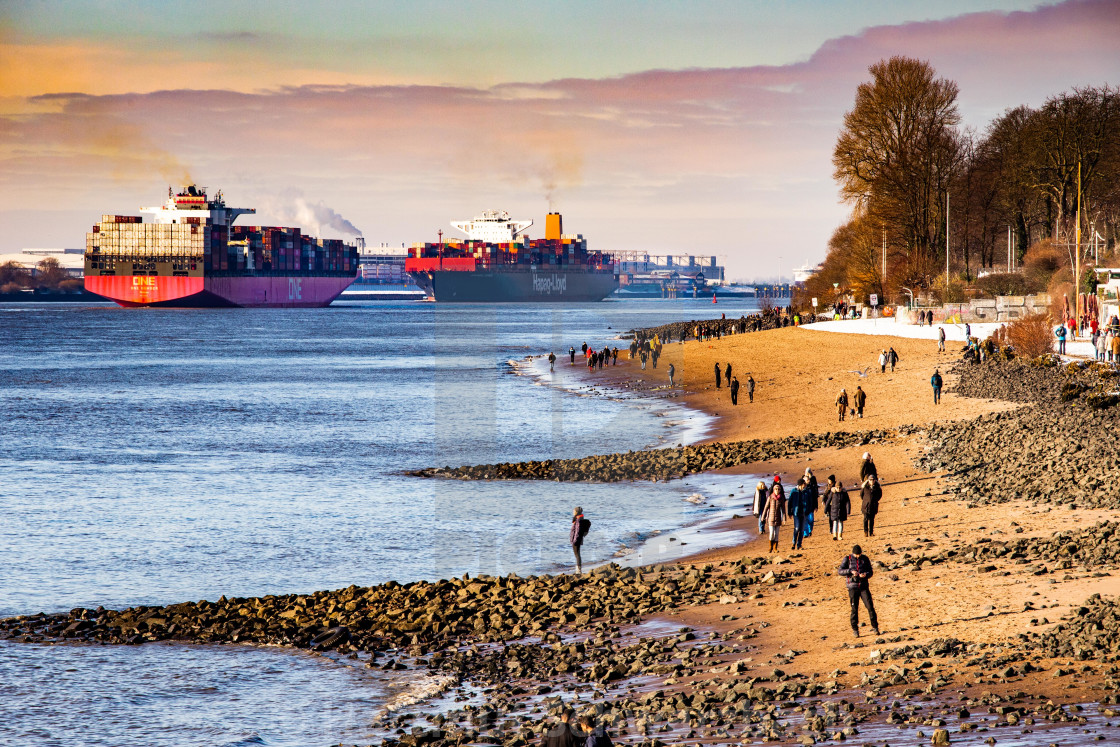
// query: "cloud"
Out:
[733,161]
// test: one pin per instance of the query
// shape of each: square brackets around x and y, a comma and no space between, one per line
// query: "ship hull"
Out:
[518,286]
[254,291]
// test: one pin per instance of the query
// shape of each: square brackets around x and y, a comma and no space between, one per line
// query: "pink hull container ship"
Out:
[191,255]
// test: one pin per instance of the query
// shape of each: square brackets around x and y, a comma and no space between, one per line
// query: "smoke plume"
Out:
[315,218]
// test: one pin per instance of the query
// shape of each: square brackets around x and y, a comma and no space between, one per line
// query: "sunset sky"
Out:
[685,127]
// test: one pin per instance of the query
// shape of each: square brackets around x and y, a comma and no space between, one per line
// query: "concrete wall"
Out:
[999,309]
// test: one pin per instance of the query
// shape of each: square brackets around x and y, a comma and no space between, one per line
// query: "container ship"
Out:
[498,262]
[191,255]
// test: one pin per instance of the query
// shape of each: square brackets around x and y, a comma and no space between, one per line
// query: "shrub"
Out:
[1003,284]
[1030,336]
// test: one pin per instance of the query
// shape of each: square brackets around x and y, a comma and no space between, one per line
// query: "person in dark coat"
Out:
[597,736]
[812,496]
[870,495]
[837,505]
[572,354]
[867,468]
[859,399]
[727,374]
[552,361]
[580,527]
[734,391]
[564,733]
[750,387]
[584,348]
[892,358]
[718,373]
[795,509]
[857,569]
[935,382]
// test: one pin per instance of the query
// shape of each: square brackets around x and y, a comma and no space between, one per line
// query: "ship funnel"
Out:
[553,227]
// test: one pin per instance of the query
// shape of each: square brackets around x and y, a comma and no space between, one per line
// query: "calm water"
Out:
[153,456]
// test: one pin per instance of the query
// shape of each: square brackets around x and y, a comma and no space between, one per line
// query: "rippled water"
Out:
[150,456]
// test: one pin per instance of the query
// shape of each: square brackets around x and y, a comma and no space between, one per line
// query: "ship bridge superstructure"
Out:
[493,227]
[191,202]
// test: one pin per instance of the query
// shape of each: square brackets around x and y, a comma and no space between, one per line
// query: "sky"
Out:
[702,127]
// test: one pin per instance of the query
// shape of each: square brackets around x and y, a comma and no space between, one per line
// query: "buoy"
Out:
[713,298]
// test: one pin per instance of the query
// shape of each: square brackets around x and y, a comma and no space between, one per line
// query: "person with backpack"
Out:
[596,735]
[857,569]
[579,530]
[1060,333]
[935,382]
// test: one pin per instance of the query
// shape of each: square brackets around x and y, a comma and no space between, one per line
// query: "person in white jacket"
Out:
[883,362]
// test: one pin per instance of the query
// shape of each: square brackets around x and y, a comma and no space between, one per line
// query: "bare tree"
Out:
[896,155]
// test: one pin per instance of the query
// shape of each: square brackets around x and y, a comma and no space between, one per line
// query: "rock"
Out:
[940,738]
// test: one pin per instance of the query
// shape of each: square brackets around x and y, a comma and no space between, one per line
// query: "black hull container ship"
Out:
[498,262]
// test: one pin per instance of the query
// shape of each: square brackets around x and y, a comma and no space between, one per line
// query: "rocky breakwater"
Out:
[662,464]
[772,319]
[1057,448]
[422,616]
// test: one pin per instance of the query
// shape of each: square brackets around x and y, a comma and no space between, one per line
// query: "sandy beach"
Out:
[799,373]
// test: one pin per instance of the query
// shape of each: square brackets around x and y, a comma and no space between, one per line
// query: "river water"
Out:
[150,456]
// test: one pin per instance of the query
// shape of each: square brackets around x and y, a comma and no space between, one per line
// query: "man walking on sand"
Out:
[564,733]
[941,339]
[842,404]
[672,373]
[718,374]
[857,569]
[859,399]
[935,382]
[552,362]
[734,391]
[580,527]
[795,509]
[750,388]
[892,358]
[870,495]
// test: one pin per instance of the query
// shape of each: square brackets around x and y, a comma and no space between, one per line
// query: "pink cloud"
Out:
[725,161]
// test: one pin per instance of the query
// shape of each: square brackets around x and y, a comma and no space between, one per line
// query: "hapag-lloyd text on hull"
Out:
[549,284]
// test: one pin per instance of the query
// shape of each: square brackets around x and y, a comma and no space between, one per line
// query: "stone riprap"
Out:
[662,464]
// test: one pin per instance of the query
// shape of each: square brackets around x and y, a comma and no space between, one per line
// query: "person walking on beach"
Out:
[773,514]
[584,348]
[867,467]
[672,373]
[717,376]
[837,505]
[734,391]
[727,374]
[883,362]
[935,382]
[859,399]
[579,530]
[811,494]
[842,404]
[614,356]
[857,569]
[572,354]
[750,388]
[552,362]
[760,496]
[644,356]
[564,733]
[870,495]
[795,509]
[596,735]
[941,339]
[892,358]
